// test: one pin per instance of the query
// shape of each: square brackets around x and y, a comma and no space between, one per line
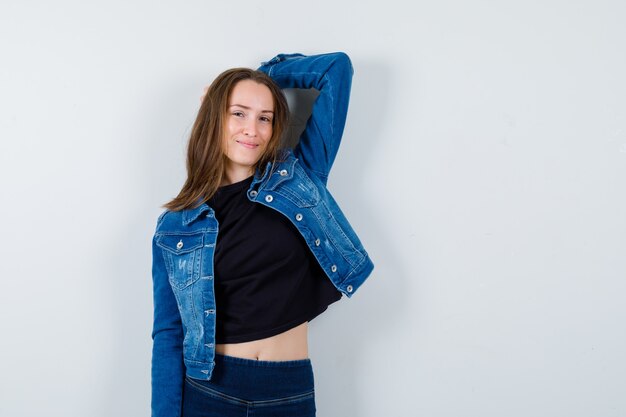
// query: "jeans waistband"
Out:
[260,380]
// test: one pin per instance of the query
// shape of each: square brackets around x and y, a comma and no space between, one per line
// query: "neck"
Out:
[236,174]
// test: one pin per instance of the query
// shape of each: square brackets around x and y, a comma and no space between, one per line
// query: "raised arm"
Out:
[167,350]
[331,75]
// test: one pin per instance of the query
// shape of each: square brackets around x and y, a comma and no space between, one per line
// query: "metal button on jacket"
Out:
[269,198]
[179,245]
[298,217]
[283,172]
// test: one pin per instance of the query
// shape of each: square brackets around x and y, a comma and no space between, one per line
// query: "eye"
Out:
[238,113]
[266,119]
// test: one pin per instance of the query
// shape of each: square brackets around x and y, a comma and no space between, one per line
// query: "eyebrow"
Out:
[250,108]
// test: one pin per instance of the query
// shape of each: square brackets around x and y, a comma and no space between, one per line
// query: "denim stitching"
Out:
[285,400]
[215,393]
[189,296]
[297,201]
[332,102]
[256,403]
[167,259]
[196,322]
[190,279]
[331,236]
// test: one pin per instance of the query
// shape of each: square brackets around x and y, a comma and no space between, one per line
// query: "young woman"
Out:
[253,247]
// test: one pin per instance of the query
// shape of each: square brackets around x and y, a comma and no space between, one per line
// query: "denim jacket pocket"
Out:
[182,254]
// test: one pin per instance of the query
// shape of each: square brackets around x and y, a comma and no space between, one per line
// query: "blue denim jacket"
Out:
[184,241]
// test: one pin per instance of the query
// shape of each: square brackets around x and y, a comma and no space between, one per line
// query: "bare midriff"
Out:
[286,346]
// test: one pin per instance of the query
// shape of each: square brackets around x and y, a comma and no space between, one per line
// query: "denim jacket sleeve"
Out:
[330,74]
[167,349]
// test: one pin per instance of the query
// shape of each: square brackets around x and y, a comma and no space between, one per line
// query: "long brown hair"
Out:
[205,153]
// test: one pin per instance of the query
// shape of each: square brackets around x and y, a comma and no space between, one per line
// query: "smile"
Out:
[248,145]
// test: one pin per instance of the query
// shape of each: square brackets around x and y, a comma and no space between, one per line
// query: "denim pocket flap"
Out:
[178,244]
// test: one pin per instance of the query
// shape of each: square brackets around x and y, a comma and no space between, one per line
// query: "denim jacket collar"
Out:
[284,169]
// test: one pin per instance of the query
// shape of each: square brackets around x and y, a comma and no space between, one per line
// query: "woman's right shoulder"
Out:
[182,221]
[167,220]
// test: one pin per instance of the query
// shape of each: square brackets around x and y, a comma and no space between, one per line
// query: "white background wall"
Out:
[483,165]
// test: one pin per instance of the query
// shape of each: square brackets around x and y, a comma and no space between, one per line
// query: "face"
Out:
[247,128]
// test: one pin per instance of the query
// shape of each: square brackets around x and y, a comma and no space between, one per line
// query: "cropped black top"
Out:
[267,280]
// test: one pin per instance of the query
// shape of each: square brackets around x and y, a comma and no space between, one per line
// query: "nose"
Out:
[249,128]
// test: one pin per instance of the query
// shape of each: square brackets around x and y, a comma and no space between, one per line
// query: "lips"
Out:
[248,145]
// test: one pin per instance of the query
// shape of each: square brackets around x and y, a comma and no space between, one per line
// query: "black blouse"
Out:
[267,280]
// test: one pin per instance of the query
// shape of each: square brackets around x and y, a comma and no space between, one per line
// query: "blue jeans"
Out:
[246,388]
